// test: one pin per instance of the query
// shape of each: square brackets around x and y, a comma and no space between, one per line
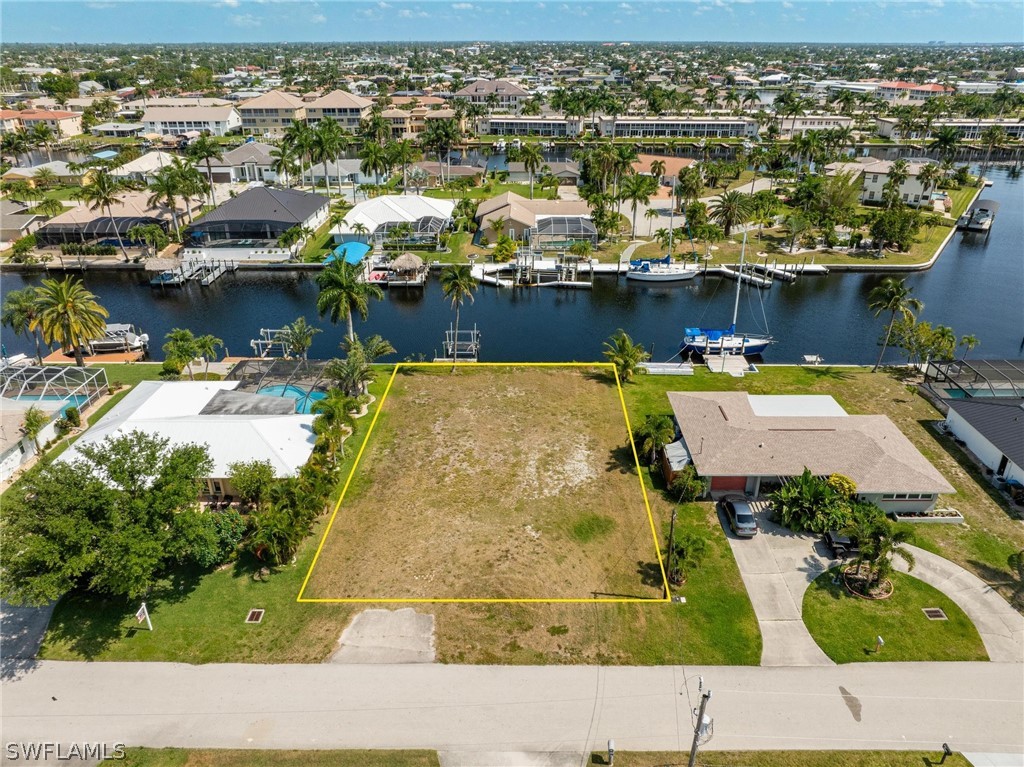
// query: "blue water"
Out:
[73,400]
[976,287]
[304,399]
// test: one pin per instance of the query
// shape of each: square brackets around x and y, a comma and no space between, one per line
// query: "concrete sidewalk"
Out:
[1001,627]
[975,707]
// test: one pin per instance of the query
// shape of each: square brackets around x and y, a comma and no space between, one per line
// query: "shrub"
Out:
[810,503]
[230,528]
[843,485]
[687,486]
[73,416]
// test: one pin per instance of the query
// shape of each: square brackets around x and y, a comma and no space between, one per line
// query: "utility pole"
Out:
[671,547]
[698,728]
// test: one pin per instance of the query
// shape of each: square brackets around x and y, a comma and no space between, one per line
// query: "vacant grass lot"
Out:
[180,757]
[845,626]
[992,532]
[548,509]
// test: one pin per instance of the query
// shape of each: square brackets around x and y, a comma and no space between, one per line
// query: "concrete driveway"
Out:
[777,565]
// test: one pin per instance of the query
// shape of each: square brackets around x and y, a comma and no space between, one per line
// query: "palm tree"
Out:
[991,137]
[653,434]
[879,549]
[690,184]
[947,141]
[893,296]
[69,315]
[582,249]
[636,189]
[18,313]
[929,176]
[404,153]
[532,159]
[205,149]
[181,348]
[625,355]
[165,188]
[298,337]
[657,170]
[341,291]
[730,209]
[42,135]
[329,140]
[50,207]
[206,347]
[374,160]
[102,193]
[44,178]
[300,139]
[333,419]
[457,284]
[968,342]
[283,162]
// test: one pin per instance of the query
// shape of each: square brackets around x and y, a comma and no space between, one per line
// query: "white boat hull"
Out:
[725,345]
[661,275]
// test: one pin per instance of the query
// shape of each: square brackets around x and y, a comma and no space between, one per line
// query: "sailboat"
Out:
[664,269]
[712,341]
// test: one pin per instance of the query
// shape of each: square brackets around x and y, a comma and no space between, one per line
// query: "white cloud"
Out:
[786,4]
[464,6]
[318,18]
[245,20]
[100,6]
[226,4]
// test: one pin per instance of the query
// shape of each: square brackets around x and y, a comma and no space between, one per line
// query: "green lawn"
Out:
[491,189]
[180,757]
[993,531]
[131,373]
[845,626]
[782,759]
[319,245]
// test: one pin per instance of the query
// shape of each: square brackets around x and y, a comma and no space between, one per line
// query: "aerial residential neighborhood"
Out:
[548,386]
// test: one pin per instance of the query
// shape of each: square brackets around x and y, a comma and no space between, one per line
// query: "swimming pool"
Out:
[70,400]
[303,399]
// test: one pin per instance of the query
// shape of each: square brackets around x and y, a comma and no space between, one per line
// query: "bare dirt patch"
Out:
[493,483]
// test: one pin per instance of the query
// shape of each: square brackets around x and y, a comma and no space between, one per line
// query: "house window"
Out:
[888,497]
[218,488]
[871,195]
[874,179]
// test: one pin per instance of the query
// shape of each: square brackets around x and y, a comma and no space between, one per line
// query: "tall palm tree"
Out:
[18,313]
[44,178]
[282,162]
[329,140]
[181,348]
[298,337]
[300,139]
[625,355]
[165,188]
[204,149]
[991,137]
[929,176]
[69,315]
[533,159]
[968,342]
[102,193]
[457,284]
[374,160]
[404,153]
[42,135]
[947,141]
[206,347]
[730,209]
[341,291]
[893,296]
[636,189]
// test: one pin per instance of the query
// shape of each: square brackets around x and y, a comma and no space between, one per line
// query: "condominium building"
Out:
[970,130]
[675,126]
[521,125]
[903,91]
[177,121]
[61,123]
[500,94]
[271,113]
[345,108]
[797,126]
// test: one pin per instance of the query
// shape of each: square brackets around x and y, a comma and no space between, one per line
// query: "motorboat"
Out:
[119,337]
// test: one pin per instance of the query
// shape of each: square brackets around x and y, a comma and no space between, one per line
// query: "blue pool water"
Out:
[71,400]
[303,399]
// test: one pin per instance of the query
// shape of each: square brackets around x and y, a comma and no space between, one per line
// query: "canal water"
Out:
[976,287]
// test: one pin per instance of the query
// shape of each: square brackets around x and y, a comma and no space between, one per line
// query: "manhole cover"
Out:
[934,614]
[256,616]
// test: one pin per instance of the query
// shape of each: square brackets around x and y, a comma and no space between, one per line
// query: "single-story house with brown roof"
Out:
[544,223]
[738,441]
[567,173]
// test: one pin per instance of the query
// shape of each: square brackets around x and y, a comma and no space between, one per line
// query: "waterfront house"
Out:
[874,175]
[567,173]
[16,448]
[186,120]
[552,125]
[60,169]
[234,426]
[249,162]
[345,108]
[993,429]
[968,128]
[136,107]
[144,168]
[370,221]
[118,130]
[542,223]
[81,224]
[673,166]
[271,113]
[259,214]
[10,121]
[505,96]
[15,220]
[60,122]
[739,441]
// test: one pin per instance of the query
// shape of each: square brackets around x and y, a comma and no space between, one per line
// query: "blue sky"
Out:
[824,21]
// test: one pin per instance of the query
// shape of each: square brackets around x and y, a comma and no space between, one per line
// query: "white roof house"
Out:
[379,212]
[145,166]
[192,412]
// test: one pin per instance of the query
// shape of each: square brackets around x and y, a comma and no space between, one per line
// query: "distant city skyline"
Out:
[724,21]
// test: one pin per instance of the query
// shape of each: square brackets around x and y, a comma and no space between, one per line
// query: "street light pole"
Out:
[698,728]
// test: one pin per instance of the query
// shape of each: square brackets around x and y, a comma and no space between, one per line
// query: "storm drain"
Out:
[256,616]
[934,613]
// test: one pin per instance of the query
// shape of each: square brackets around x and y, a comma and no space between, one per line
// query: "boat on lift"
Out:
[710,342]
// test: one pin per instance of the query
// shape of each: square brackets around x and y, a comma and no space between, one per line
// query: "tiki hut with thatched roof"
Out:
[407,269]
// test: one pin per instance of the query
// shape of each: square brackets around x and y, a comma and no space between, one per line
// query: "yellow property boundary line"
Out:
[470,600]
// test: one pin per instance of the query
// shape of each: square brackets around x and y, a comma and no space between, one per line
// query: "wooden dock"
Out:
[61,358]
[750,279]
[734,365]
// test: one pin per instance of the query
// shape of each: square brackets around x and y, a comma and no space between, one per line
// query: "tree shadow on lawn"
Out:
[1011,580]
[89,623]
[830,373]
[621,460]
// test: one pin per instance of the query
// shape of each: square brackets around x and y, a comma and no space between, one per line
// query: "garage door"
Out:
[222,178]
[738,484]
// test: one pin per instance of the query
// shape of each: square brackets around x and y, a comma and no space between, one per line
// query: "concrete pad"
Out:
[387,636]
[787,643]
[22,630]
[510,759]
[995,760]
[771,598]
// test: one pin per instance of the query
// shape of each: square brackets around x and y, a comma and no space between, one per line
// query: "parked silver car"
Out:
[740,515]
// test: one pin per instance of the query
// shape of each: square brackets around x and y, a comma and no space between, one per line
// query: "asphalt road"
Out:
[975,707]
